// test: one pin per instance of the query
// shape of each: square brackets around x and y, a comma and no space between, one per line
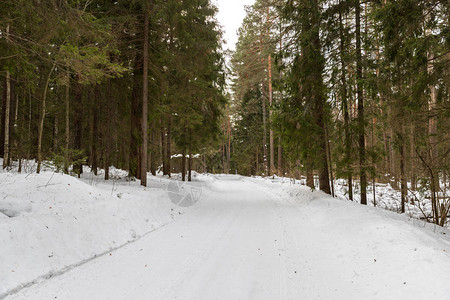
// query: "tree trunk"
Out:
[319,103]
[373,163]
[138,163]
[412,159]
[95,136]
[78,167]
[20,138]
[67,127]
[257,160]
[190,166]
[361,121]
[280,165]
[183,165]
[2,119]
[15,128]
[107,135]
[163,149]
[432,130]
[223,158]
[30,119]
[310,178]
[6,119]
[153,152]
[345,109]
[266,168]
[403,181]
[6,112]
[106,163]
[272,152]
[280,148]
[144,161]
[324,177]
[329,160]
[228,147]
[135,118]
[41,120]
[169,148]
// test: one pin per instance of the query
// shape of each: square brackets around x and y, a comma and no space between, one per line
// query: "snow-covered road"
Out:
[247,240]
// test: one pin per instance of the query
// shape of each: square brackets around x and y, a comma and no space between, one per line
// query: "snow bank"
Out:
[383,254]
[50,222]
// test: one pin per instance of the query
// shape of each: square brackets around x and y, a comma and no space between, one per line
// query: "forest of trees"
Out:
[346,89]
[102,83]
[319,88]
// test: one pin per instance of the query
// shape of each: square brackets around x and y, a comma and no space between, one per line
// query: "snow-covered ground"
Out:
[418,202]
[50,222]
[246,238]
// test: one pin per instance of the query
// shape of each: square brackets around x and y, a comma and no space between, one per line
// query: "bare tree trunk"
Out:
[392,154]
[324,177]
[78,122]
[169,148]
[30,118]
[144,161]
[153,151]
[280,165]
[309,178]
[412,159]
[403,181]
[257,160]
[346,114]
[373,164]
[329,160]
[135,119]
[20,138]
[6,119]
[387,162]
[281,172]
[361,121]
[223,158]
[2,119]
[7,112]
[67,128]
[183,165]
[385,140]
[163,149]
[15,128]
[432,132]
[266,169]
[139,156]
[190,166]
[107,136]
[272,152]
[229,142]
[95,136]
[41,121]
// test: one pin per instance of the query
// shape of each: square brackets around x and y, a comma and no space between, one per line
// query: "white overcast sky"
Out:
[231,13]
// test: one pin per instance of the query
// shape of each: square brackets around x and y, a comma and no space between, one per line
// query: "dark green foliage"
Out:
[99,44]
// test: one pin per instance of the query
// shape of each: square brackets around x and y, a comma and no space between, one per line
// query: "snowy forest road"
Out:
[242,241]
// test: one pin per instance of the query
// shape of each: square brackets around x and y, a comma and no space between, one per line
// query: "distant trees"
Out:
[252,65]
[121,77]
[370,79]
